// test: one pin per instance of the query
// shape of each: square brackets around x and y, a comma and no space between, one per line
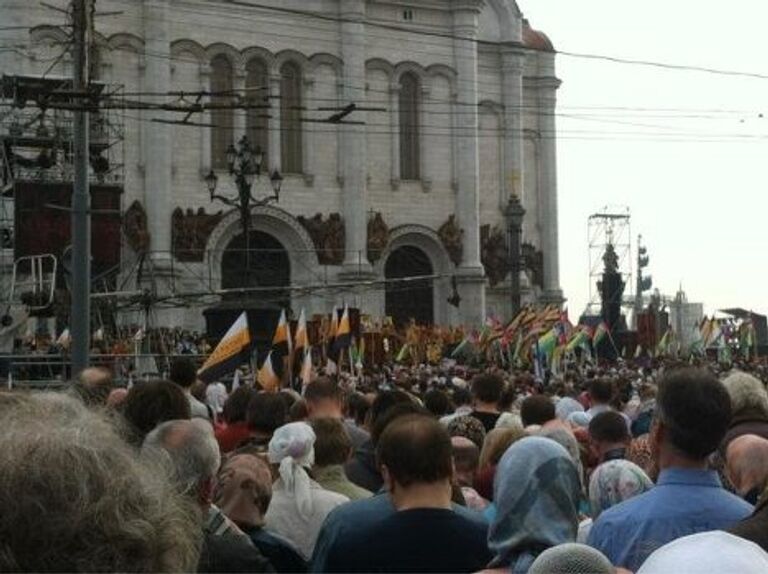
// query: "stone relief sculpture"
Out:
[533,262]
[378,237]
[190,231]
[452,237]
[328,236]
[494,254]
[135,228]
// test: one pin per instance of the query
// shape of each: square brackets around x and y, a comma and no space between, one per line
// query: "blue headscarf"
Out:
[537,493]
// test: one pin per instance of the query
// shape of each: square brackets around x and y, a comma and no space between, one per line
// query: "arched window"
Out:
[256,120]
[410,150]
[222,119]
[290,118]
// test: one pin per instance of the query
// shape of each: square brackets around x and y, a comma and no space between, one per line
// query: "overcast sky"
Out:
[694,178]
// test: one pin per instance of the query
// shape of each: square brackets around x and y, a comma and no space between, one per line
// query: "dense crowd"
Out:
[608,469]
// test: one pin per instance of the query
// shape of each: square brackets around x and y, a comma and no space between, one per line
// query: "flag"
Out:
[230,353]
[307,370]
[281,342]
[343,332]
[331,350]
[301,340]
[601,332]
[580,338]
[65,339]
[548,343]
[403,354]
[267,376]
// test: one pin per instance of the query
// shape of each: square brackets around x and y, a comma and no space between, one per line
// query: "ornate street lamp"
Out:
[515,214]
[244,165]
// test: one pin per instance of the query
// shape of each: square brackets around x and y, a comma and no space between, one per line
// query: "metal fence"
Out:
[41,370]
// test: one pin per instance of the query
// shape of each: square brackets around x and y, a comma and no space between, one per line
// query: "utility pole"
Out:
[80,314]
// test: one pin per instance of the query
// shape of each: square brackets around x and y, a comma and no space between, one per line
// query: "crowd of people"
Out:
[607,469]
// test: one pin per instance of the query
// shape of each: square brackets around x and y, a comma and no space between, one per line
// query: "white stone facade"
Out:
[486,131]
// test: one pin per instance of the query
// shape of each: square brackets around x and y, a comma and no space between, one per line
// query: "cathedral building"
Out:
[397,132]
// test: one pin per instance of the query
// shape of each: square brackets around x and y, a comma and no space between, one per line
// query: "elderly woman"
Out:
[749,405]
[537,492]
[243,492]
[299,505]
[612,483]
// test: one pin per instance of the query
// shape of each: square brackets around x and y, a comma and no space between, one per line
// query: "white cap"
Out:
[707,553]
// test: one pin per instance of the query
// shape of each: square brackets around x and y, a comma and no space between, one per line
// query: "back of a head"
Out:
[266,412]
[571,558]
[695,409]
[496,444]
[437,402]
[183,372]
[332,443]
[747,463]
[601,391]
[466,455]
[393,413]
[487,388]
[236,405]
[748,394]
[322,389]
[462,397]
[537,410]
[415,449]
[148,404]
[191,448]
[609,427]
[106,510]
[93,386]
[384,401]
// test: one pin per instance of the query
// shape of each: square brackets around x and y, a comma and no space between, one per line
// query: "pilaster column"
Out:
[394,119]
[205,134]
[512,67]
[548,190]
[424,165]
[308,141]
[158,187]
[275,123]
[471,273]
[239,124]
[355,160]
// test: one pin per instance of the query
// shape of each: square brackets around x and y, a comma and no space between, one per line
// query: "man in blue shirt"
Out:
[692,416]
[425,534]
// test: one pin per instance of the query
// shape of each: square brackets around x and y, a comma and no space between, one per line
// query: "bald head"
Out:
[747,463]
[466,459]
[192,451]
[93,385]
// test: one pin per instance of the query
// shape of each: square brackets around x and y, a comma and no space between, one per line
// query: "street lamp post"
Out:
[244,164]
[515,213]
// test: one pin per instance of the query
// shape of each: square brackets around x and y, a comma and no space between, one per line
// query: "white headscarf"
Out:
[707,553]
[293,448]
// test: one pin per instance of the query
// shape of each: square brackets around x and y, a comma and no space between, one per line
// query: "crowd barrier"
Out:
[40,370]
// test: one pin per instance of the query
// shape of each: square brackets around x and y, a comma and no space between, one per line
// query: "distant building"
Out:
[685,318]
[461,99]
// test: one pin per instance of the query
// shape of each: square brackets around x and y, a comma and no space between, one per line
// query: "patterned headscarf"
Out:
[537,493]
[616,481]
[243,489]
[292,447]
[468,427]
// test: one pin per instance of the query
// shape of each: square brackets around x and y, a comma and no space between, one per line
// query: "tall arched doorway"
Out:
[406,300]
[263,263]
